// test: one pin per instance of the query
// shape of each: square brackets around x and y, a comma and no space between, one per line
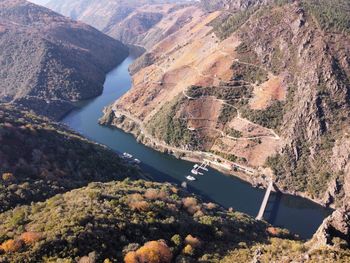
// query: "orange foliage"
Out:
[131,257]
[139,205]
[210,206]
[30,238]
[191,204]
[11,246]
[137,202]
[151,252]
[188,250]
[8,177]
[154,194]
[193,241]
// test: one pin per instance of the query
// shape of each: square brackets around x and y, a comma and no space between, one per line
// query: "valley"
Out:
[258,90]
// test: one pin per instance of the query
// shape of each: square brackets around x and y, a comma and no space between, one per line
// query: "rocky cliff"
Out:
[49,61]
[259,86]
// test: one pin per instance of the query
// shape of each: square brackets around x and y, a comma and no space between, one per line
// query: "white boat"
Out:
[137,161]
[190,178]
[127,155]
[184,184]
[194,171]
[203,168]
[195,166]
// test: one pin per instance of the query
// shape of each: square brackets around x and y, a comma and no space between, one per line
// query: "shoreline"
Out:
[256,180]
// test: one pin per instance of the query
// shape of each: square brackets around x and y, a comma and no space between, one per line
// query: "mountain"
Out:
[262,87]
[132,22]
[49,61]
[39,159]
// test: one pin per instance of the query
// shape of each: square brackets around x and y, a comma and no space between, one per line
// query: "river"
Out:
[299,215]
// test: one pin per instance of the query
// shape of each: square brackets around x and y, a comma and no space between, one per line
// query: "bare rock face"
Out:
[211,5]
[334,230]
[46,58]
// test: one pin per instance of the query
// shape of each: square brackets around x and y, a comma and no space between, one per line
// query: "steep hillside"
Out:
[264,92]
[128,21]
[49,60]
[146,222]
[39,159]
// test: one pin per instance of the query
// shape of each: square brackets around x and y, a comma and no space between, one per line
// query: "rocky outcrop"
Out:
[232,5]
[335,230]
[50,60]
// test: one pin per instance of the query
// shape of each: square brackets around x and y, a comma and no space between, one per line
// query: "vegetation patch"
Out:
[224,28]
[332,16]
[40,159]
[167,126]
[110,222]
[271,117]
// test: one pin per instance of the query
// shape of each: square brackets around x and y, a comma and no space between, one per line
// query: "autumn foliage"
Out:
[11,246]
[151,252]
[154,194]
[8,177]
[30,238]
[191,204]
[137,202]
[193,241]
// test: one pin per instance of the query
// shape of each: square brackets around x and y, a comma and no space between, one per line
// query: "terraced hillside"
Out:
[49,61]
[262,90]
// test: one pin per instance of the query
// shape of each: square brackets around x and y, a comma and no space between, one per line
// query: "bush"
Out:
[193,241]
[8,177]
[11,246]
[30,238]
[151,252]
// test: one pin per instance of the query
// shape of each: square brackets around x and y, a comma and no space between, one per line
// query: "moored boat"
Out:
[190,178]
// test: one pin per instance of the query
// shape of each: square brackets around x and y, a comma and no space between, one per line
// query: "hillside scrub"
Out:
[100,219]
[40,159]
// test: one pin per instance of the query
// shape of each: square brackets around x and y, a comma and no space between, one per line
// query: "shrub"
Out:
[151,252]
[193,241]
[177,240]
[191,204]
[139,205]
[7,177]
[154,194]
[210,206]
[188,250]
[30,238]
[11,246]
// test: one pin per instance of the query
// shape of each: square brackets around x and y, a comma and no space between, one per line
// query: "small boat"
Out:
[195,166]
[184,185]
[194,171]
[137,161]
[190,178]
[203,168]
[127,155]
